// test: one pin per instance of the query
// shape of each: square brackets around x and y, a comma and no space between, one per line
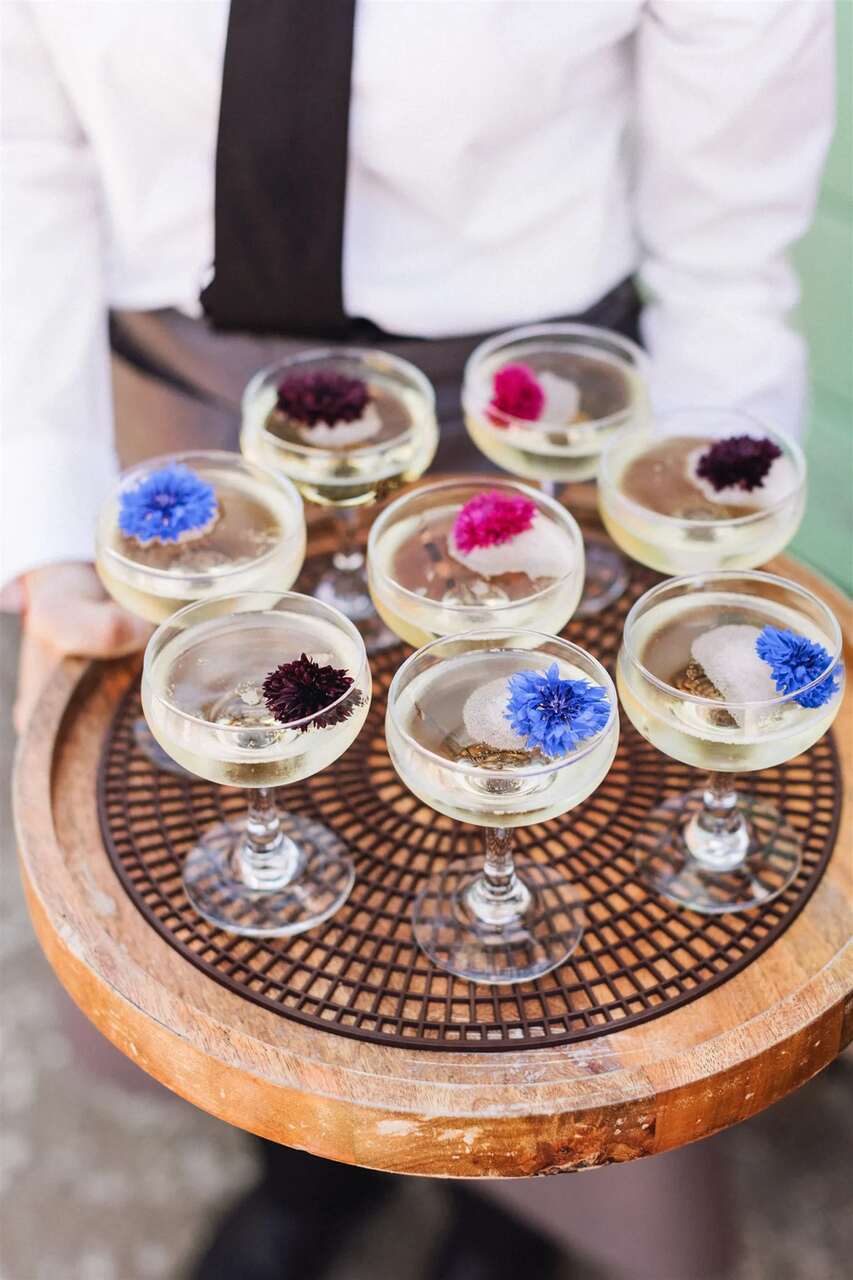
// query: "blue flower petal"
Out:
[555,715]
[796,661]
[167,506]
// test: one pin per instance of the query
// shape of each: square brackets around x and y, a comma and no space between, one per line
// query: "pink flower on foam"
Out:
[490,519]
[517,394]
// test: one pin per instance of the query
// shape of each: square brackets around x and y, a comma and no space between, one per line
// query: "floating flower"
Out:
[488,519]
[555,715]
[299,689]
[740,462]
[517,394]
[794,662]
[323,396]
[170,505]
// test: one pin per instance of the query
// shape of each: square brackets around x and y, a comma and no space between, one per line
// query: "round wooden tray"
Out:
[627,1093]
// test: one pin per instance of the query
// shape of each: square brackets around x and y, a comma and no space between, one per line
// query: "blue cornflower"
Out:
[168,506]
[794,662]
[555,715]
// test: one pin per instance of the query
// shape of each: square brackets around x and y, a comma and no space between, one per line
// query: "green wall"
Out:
[824,259]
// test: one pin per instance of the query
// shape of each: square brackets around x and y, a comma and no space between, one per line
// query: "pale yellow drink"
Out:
[428,730]
[204,703]
[422,590]
[257,542]
[654,508]
[693,729]
[340,472]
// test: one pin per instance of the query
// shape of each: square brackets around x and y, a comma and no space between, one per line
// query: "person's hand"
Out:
[68,612]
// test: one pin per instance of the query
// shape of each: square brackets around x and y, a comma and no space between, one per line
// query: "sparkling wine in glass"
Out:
[260,690]
[543,401]
[348,426]
[502,729]
[701,490]
[730,672]
[456,555]
[193,525]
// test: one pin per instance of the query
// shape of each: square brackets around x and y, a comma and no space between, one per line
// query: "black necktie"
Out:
[281,164]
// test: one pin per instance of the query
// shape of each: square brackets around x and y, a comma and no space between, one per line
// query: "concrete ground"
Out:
[103,1180]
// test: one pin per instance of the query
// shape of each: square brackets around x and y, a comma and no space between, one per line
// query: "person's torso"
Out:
[489,171]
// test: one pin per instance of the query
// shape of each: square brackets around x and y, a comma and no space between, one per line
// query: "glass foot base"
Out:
[150,748]
[607,577]
[666,865]
[346,591]
[321,880]
[541,937]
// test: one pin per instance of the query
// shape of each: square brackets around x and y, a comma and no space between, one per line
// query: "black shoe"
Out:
[486,1243]
[294,1224]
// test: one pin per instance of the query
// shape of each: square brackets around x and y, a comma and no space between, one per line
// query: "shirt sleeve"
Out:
[57,457]
[735,115]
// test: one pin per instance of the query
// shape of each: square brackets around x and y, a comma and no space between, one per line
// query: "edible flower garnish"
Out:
[740,462]
[488,519]
[794,662]
[301,688]
[555,715]
[517,394]
[323,396]
[170,505]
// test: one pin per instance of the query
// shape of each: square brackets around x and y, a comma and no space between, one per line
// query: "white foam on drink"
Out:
[485,720]
[542,551]
[330,436]
[562,398]
[728,657]
[779,483]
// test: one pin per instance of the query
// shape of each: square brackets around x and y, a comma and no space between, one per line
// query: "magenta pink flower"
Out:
[517,395]
[490,519]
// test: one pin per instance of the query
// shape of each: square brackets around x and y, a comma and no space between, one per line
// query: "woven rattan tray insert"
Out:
[361,975]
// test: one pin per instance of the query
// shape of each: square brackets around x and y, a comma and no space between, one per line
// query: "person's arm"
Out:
[735,115]
[56,456]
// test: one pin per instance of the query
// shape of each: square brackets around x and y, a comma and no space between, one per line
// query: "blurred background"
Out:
[106,1176]
[824,259]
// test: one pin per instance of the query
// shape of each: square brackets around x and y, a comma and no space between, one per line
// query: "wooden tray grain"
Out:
[635,1092]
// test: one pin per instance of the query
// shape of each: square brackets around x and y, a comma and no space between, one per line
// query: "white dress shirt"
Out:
[509,161]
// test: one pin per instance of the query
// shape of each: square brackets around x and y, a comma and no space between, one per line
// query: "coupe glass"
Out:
[342,472]
[258,541]
[610,375]
[717,849]
[658,514]
[271,874]
[422,592]
[507,918]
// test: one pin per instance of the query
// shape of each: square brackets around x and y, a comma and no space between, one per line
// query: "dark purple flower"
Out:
[299,689]
[323,396]
[738,461]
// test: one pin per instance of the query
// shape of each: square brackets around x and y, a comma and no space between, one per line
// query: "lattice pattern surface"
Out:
[361,974]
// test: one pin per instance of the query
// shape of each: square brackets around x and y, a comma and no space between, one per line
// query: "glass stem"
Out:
[349,557]
[267,857]
[718,835]
[549,487]
[497,896]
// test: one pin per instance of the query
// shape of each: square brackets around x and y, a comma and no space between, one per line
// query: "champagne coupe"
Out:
[543,401]
[450,738]
[729,672]
[348,426]
[153,566]
[424,584]
[260,690]
[701,490]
